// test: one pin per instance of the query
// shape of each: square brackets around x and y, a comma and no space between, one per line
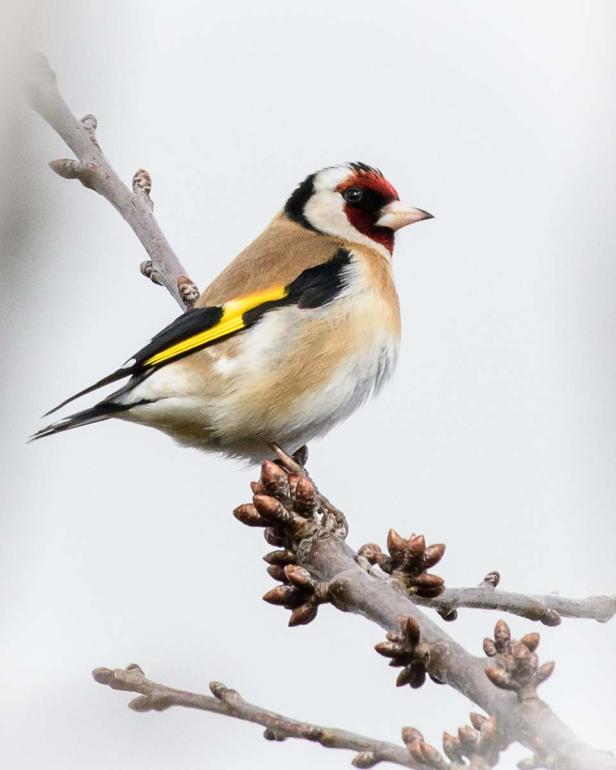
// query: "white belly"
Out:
[352,383]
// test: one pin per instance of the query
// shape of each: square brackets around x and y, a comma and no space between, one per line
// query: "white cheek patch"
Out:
[325,209]
[325,212]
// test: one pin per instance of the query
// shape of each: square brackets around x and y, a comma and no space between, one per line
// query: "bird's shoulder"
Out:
[276,257]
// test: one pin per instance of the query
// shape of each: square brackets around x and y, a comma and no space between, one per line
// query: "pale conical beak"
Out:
[396,215]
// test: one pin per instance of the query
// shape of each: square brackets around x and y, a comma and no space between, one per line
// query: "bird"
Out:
[290,339]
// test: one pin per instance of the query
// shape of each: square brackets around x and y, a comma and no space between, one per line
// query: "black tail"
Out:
[121,373]
[98,412]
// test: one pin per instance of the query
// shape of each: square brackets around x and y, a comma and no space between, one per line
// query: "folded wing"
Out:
[201,327]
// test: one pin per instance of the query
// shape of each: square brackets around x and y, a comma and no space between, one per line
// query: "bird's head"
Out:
[352,201]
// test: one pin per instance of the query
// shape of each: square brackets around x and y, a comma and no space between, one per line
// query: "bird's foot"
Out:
[295,463]
[301,456]
[333,520]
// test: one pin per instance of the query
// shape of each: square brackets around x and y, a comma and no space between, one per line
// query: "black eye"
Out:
[353,195]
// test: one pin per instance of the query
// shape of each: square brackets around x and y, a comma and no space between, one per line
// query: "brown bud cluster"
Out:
[476,747]
[406,651]
[516,662]
[285,505]
[300,593]
[409,560]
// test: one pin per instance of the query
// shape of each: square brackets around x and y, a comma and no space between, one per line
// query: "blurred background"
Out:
[496,435]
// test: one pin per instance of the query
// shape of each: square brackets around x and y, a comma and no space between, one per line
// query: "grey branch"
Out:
[321,567]
[548,609]
[94,171]
[407,563]
[352,587]
[158,697]
[530,722]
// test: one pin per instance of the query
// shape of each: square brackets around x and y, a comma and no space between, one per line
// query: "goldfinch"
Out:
[288,340]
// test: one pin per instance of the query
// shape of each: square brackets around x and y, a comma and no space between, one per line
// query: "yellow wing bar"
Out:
[231,321]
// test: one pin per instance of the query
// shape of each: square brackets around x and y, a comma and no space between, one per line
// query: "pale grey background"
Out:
[497,432]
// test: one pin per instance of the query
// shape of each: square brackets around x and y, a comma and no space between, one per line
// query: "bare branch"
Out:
[292,513]
[94,171]
[158,697]
[384,602]
[480,743]
[408,560]
[548,609]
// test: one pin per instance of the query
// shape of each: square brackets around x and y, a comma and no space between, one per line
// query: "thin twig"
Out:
[158,697]
[94,171]
[548,608]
